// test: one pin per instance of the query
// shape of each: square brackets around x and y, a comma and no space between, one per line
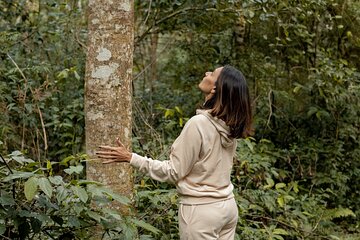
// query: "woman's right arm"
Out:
[185,152]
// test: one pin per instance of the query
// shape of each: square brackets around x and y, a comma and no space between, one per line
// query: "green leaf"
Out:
[280,185]
[61,194]
[74,222]
[88,182]
[169,113]
[311,111]
[56,180]
[30,188]
[249,144]
[277,237]
[57,219]
[181,122]
[179,110]
[2,229]
[45,186]
[6,199]
[94,216]
[270,183]
[63,74]
[77,76]
[78,169]
[66,160]
[80,192]
[100,191]
[146,226]
[280,231]
[281,201]
[35,225]
[343,212]
[112,213]
[296,89]
[17,174]
[318,115]
[295,187]
[48,165]
[121,199]
[19,157]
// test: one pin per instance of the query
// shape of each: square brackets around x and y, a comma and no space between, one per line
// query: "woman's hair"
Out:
[231,102]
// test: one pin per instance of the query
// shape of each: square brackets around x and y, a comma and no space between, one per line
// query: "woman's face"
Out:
[208,82]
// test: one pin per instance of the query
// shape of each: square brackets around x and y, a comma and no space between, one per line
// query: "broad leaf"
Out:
[2,229]
[57,180]
[80,192]
[30,188]
[6,199]
[18,174]
[61,194]
[45,186]
[146,226]
[72,169]
[94,215]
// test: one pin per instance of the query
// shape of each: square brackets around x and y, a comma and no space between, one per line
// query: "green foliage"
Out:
[35,204]
[41,85]
[274,202]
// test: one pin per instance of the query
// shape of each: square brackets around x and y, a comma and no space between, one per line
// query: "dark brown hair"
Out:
[231,102]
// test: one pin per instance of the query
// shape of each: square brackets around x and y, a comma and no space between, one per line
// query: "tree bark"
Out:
[108,98]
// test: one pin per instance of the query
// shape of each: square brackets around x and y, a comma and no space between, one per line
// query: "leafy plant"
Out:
[36,204]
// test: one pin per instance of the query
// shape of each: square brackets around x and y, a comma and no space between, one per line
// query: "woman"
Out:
[201,157]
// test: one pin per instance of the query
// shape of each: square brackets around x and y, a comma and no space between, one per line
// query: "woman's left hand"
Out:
[110,154]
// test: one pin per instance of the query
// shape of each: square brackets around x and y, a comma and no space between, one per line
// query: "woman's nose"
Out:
[207,73]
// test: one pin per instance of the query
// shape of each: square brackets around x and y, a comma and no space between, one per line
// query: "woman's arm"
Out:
[185,152]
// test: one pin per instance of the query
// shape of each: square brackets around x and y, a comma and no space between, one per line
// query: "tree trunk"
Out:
[108,88]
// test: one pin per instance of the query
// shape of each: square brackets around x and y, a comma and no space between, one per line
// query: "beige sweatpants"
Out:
[208,221]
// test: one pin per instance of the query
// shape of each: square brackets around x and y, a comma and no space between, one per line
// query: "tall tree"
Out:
[108,88]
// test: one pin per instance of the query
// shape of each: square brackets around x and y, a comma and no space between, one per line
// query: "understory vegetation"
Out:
[297,177]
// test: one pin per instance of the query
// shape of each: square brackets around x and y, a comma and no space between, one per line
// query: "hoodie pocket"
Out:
[186,213]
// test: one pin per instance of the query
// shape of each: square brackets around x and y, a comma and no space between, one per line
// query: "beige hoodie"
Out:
[200,162]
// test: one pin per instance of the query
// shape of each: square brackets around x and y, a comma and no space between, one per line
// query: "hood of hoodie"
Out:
[221,127]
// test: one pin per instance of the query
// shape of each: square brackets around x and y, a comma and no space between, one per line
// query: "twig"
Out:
[270,107]
[317,224]
[173,14]
[23,39]
[13,185]
[161,51]
[149,9]
[46,232]
[79,42]
[25,90]
[6,164]
[4,237]
[287,119]
[43,128]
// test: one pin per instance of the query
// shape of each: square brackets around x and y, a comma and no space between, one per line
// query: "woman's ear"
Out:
[211,94]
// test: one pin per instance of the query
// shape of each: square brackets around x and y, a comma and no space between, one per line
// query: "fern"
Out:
[330,214]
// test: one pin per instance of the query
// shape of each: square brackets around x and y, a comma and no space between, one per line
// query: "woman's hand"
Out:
[114,154]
